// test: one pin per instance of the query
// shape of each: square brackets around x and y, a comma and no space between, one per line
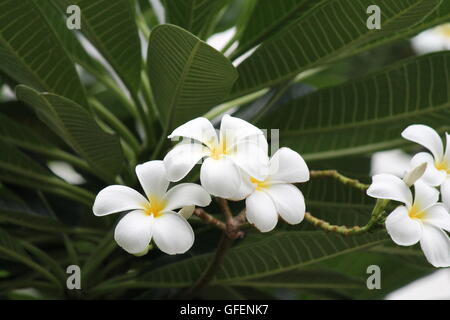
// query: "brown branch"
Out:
[209,219]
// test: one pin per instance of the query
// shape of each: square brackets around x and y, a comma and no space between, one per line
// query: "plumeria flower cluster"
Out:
[422,218]
[234,166]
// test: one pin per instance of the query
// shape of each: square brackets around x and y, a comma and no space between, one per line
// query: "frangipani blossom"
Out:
[275,194]
[421,219]
[432,40]
[438,162]
[152,216]
[239,146]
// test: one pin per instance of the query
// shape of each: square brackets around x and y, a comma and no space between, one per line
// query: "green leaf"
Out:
[192,15]
[79,129]
[267,18]
[306,279]
[10,249]
[187,75]
[276,253]
[68,39]
[330,31]
[31,53]
[111,27]
[367,114]
[13,210]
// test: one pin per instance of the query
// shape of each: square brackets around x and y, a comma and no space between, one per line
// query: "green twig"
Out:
[339,177]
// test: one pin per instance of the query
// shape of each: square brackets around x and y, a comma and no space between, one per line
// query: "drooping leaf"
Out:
[192,15]
[367,114]
[188,76]
[326,33]
[78,128]
[31,53]
[280,252]
[111,27]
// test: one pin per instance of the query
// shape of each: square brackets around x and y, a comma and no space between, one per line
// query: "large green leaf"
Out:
[111,27]
[192,15]
[306,279]
[187,75]
[57,21]
[272,254]
[31,53]
[367,114]
[78,128]
[330,31]
[268,17]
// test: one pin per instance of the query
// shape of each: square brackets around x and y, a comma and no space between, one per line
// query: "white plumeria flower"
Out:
[438,162]
[275,194]
[432,40]
[239,146]
[420,220]
[152,216]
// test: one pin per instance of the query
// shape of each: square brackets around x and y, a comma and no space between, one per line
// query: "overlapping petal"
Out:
[261,211]
[402,229]
[432,176]
[445,192]
[182,158]
[424,195]
[220,177]
[435,244]
[186,194]
[172,233]
[117,198]
[250,158]
[438,216]
[388,186]
[427,137]
[153,178]
[134,231]
[199,129]
[234,130]
[289,202]
[287,166]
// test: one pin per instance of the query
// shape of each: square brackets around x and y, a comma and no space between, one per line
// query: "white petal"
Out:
[233,130]
[186,194]
[289,202]
[427,137]
[134,231]
[221,177]
[447,149]
[246,188]
[424,195]
[153,178]
[116,198]
[435,244]
[388,186]
[252,159]
[261,211]
[199,129]
[402,229]
[172,233]
[438,216]
[445,192]
[288,166]
[182,158]
[432,176]
[186,212]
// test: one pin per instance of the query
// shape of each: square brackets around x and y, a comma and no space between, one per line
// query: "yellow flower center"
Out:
[415,213]
[442,166]
[259,184]
[444,30]
[219,150]
[154,207]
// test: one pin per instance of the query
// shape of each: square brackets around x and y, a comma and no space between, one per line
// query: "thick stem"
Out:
[209,219]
